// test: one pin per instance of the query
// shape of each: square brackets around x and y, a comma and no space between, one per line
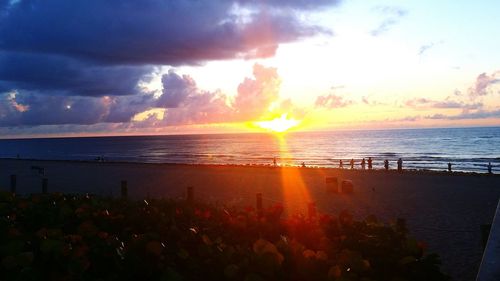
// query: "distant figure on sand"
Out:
[449,166]
[489,168]
[386,164]
[369,163]
[303,164]
[274,162]
[352,164]
[341,165]
[400,165]
[363,163]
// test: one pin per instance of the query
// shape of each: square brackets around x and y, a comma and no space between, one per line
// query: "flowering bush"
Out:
[75,237]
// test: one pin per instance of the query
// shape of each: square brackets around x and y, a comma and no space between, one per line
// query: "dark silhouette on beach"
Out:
[274,162]
[341,164]
[352,163]
[303,164]
[489,168]
[363,163]
[370,163]
[449,166]
[400,165]
[386,164]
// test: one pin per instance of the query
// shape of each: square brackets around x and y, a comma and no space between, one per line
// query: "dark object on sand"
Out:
[386,164]
[449,167]
[124,189]
[347,186]
[489,168]
[341,164]
[13,183]
[400,165]
[352,164]
[370,163]
[41,170]
[332,184]
[363,163]
[45,183]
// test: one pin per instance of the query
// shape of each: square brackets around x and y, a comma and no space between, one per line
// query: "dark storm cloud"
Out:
[30,109]
[56,74]
[184,102]
[153,31]
[93,54]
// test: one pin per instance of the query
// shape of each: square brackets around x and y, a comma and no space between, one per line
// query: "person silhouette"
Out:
[274,162]
[489,168]
[369,163]
[303,164]
[386,164]
[449,166]
[363,163]
[400,165]
[341,164]
[352,163]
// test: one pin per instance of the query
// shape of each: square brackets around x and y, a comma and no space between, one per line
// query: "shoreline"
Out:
[159,164]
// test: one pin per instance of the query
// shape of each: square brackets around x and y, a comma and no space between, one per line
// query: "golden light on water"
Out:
[279,124]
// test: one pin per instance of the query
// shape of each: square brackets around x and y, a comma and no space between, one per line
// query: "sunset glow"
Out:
[279,124]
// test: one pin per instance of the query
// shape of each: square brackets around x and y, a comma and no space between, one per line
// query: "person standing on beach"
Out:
[369,163]
[274,162]
[400,165]
[489,168]
[386,164]
[341,165]
[449,167]
[363,163]
[352,163]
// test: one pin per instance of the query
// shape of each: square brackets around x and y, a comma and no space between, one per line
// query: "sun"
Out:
[279,124]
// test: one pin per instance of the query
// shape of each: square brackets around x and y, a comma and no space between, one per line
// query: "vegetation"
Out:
[63,237]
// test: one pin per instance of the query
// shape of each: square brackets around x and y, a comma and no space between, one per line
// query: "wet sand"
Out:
[443,209]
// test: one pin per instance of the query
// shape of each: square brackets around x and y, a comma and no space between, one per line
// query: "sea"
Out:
[467,149]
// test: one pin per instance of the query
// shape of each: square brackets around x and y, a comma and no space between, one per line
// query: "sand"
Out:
[444,210]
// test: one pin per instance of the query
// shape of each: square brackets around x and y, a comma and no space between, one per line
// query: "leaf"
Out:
[231,271]
[407,260]
[154,247]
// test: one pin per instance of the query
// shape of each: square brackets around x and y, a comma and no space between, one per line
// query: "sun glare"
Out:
[278,125]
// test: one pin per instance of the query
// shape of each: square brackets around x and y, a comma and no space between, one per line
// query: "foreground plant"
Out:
[66,237]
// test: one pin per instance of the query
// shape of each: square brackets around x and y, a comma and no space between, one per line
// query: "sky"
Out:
[92,67]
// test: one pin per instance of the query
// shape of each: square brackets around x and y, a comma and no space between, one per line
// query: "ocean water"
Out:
[468,149]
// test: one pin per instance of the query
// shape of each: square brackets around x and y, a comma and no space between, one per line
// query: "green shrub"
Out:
[74,237]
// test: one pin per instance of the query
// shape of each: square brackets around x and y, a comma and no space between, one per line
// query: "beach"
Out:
[443,209]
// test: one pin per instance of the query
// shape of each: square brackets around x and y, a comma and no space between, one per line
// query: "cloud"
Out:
[53,74]
[424,48]
[30,109]
[255,96]
[392,16]
[483,84]
[181,101]
[480,114]
[446,103]
[152,31]
[332,101]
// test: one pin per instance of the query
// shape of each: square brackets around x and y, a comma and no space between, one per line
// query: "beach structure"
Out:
[332,185]
[347,186]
